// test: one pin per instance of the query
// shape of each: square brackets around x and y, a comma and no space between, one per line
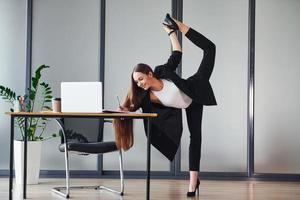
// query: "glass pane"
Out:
[12,65]
[224,127]
[67,41]
[277,105]
[134,34]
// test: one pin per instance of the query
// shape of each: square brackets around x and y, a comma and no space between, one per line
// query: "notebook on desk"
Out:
[81,97]
[116,111]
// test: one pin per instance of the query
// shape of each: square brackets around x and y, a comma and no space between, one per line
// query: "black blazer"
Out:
[166,129]
[197,86]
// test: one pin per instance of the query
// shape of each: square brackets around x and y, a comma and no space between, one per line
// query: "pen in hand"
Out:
[122,108]
[119,101]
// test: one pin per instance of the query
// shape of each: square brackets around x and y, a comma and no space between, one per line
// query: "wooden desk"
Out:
[27,115]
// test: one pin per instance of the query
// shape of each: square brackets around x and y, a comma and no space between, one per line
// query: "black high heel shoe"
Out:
[170,23]
[192,194]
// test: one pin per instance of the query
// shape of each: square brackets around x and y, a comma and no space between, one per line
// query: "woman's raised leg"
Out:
[209,49]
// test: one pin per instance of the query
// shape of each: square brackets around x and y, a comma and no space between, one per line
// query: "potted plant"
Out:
[37,99]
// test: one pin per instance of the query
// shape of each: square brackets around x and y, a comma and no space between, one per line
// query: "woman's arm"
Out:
[174,40]
[174,59]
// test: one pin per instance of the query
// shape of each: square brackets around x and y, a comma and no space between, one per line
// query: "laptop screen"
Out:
[84,97]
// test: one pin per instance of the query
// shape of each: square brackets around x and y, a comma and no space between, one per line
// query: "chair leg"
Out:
[121,192]
[57,190]
[121,171]
[66,153]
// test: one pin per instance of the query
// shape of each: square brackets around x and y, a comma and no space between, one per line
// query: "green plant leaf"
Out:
[20,119]
[32,95]
[34,82]
[30,99]
[47,107]
[48,97]
[38,71]
[7,94]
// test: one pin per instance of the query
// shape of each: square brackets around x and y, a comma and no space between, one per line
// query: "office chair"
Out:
[79,144]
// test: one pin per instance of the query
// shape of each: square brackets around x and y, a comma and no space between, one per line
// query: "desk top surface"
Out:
[66,114]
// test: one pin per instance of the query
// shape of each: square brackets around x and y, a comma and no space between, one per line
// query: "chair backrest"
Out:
[83,130]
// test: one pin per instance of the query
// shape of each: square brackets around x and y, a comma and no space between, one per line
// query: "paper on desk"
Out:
[119,111]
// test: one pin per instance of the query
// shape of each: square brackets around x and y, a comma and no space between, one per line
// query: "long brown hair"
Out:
[124,127]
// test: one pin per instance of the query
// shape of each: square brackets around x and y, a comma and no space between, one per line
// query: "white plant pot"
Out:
[33,161]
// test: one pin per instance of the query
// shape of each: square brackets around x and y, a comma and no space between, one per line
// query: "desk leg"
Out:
[148,159]
[25,159]
[11,156]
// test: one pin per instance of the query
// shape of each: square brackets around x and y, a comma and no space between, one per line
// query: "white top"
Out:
[171,96]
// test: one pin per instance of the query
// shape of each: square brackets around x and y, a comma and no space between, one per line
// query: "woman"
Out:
[162,91]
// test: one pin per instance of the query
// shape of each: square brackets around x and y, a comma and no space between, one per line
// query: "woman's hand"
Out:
[123,108]
[168,30]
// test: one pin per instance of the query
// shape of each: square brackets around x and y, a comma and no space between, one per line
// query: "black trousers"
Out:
[194,121]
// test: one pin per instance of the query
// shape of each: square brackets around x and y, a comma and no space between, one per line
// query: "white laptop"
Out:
[85,97]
